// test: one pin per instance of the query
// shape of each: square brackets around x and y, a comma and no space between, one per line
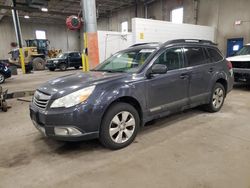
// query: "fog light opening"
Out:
[67,131]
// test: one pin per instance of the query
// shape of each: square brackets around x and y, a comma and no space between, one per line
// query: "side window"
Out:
[74,55]
[172,58]
[195,56]
[214,55]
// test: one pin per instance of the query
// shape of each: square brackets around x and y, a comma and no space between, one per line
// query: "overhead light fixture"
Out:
[44,9]
[27,17]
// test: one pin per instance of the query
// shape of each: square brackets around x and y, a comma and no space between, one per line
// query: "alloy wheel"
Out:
[218,98]
[1,78]
[122,127]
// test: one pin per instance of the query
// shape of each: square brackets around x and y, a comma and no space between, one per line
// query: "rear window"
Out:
[195,56]
[214,54]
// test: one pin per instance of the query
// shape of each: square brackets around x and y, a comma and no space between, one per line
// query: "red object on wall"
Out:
[73,22]
[13,44]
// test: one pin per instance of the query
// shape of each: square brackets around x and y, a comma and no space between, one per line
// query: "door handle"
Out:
[211,70]
[184,76]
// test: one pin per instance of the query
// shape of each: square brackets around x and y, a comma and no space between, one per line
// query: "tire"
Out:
[2,78]
[217,98]
[5,106]
[52,69]
[63,67]
[38,64]
[77,67]
[115,132]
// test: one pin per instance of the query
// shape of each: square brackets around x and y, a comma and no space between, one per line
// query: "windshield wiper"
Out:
[114,71]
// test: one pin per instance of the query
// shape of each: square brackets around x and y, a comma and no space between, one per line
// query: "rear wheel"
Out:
[2,78]
[77,67]
[217,98]
[63,67]
[120,126]
[38,63]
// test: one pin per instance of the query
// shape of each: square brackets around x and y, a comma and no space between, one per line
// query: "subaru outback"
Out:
[134,86]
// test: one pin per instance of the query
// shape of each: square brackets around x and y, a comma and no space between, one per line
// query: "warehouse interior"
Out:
[51,49]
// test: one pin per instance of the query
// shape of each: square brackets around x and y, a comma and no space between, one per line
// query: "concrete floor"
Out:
[194,149]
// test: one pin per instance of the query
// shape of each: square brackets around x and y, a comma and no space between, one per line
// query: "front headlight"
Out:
[74,98]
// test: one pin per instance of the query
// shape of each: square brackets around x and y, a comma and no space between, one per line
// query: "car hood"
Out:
[242,58]
[73,82]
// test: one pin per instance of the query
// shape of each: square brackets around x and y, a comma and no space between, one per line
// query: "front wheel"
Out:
[63,67]
[2,78]
[217,98]
[120,126]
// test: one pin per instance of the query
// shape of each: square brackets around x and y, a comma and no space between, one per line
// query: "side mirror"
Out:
[157,69]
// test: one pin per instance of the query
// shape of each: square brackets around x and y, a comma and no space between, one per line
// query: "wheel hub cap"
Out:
[218,97]
[122,127]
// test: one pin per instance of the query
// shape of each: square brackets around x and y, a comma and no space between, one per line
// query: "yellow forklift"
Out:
[35,54]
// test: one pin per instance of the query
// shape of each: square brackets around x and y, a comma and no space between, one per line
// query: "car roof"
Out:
[173,42]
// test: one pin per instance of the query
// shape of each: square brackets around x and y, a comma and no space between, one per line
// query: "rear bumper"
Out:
[241,75]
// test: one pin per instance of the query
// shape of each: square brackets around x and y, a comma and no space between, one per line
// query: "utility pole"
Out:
[18,34]
[90,33]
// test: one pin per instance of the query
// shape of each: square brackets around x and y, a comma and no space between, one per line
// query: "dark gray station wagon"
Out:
[134,86]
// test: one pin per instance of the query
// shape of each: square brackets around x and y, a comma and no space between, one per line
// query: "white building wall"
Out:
[146,30]
[112,42]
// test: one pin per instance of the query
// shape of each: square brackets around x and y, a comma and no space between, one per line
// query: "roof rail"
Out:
[145,43]
[207,42]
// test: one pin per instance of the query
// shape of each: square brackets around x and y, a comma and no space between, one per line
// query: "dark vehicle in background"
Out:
[4,72]
[132,87]
[64,61]
[241,65]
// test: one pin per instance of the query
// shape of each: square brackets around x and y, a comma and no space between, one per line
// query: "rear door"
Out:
[169,91]
[74,59]
[201,72]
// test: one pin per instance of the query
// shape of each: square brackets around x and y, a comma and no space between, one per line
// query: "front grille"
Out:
[41,100]
[239,64]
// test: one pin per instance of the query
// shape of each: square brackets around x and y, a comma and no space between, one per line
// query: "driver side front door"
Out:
[169,92]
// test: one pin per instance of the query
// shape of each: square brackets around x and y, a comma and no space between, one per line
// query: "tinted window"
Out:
[195,56]
[244,51]
[74,55]
[214,54]
[172,58]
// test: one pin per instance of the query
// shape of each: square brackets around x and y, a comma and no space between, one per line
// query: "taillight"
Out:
[229,65]
[230,68]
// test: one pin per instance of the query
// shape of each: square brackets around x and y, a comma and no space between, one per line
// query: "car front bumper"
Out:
[241,75]
[47,122]
[51,65]
[7,74]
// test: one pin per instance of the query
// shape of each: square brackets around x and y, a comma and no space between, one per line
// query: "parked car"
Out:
[132,87]
[4,72]
[65,60]
[241,64]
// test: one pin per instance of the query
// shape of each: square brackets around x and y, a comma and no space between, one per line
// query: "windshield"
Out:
[244,51]
[62,55]
[128,61]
